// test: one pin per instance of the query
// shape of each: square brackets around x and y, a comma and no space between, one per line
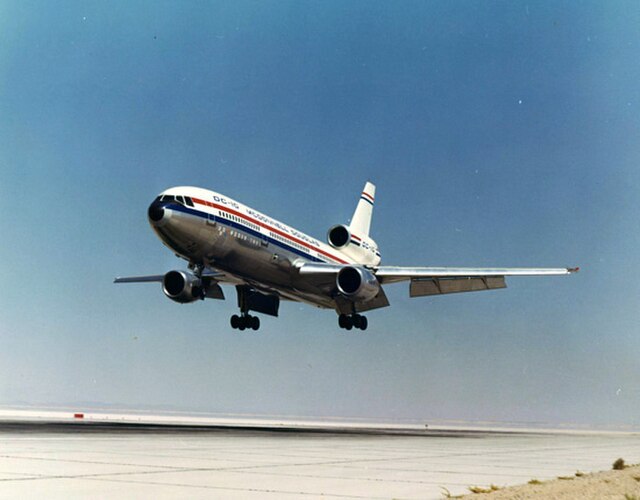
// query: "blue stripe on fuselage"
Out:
[204,215]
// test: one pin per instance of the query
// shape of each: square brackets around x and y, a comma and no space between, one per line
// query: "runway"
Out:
[57,460]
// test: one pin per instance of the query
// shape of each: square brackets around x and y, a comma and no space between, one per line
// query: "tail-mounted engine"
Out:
[339,236]
[361,249]
[182,286]
[357,283]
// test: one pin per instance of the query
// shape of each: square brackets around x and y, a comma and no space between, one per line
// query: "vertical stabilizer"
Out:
[361,220]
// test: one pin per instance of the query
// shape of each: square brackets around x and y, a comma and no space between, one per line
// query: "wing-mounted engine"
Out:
[362,249]
[185,287]
[182,286]
[358,284]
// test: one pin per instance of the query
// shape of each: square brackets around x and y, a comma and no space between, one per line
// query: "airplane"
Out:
[226,242]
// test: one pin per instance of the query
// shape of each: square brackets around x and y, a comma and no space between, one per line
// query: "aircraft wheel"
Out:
[342,321]
[357,321]
[242,323]
[364,323]
[235,321]
[255,322]
[348,323]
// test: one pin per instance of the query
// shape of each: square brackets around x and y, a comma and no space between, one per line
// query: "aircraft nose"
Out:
[156,211]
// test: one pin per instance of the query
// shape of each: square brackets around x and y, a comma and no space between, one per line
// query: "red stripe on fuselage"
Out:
[272,229]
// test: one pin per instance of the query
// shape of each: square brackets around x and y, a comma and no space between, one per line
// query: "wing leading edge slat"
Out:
[395,274]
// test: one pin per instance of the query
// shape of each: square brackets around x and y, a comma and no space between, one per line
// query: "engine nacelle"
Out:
[182,286]
[357,248]
[339,236]
[357,283]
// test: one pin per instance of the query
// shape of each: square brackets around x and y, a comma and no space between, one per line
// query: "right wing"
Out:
[210,280]
[140,279]
[157,278]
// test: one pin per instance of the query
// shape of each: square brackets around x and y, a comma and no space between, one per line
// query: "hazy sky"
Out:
[498,133]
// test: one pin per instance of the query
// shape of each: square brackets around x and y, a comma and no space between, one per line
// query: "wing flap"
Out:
[421,287]
[214,291]
[345,306]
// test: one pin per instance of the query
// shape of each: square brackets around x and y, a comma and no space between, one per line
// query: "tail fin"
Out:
[361,220]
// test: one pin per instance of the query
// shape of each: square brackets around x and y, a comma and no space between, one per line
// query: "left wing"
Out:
[439,280]
[443,280]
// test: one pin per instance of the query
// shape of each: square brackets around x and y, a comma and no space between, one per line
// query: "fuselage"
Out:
[210,229]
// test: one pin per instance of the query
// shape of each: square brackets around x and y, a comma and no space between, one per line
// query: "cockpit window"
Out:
[184,200]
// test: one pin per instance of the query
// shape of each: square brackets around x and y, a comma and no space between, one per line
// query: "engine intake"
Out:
[339,236]
[357,283]
[182,286]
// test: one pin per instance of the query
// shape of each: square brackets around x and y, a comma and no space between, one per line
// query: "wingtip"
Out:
[572,270]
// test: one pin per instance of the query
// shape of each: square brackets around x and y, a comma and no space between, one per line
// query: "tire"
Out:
[342,321]
[235,321]
[255,323]
[348,322]
[242,324]
[364,323]
[357,321]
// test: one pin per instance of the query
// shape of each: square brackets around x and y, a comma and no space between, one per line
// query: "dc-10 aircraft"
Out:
[226,242]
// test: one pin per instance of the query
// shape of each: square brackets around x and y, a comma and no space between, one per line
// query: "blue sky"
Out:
[498,133]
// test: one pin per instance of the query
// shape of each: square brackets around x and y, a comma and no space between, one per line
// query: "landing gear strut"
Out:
[200,291]
[352,321]
[245,321]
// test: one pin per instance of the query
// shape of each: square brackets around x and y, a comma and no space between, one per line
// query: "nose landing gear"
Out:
[352,321]
[245,321]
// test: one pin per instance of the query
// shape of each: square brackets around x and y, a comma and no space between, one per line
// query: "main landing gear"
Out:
[250,299]
[245,321]
[352,321]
